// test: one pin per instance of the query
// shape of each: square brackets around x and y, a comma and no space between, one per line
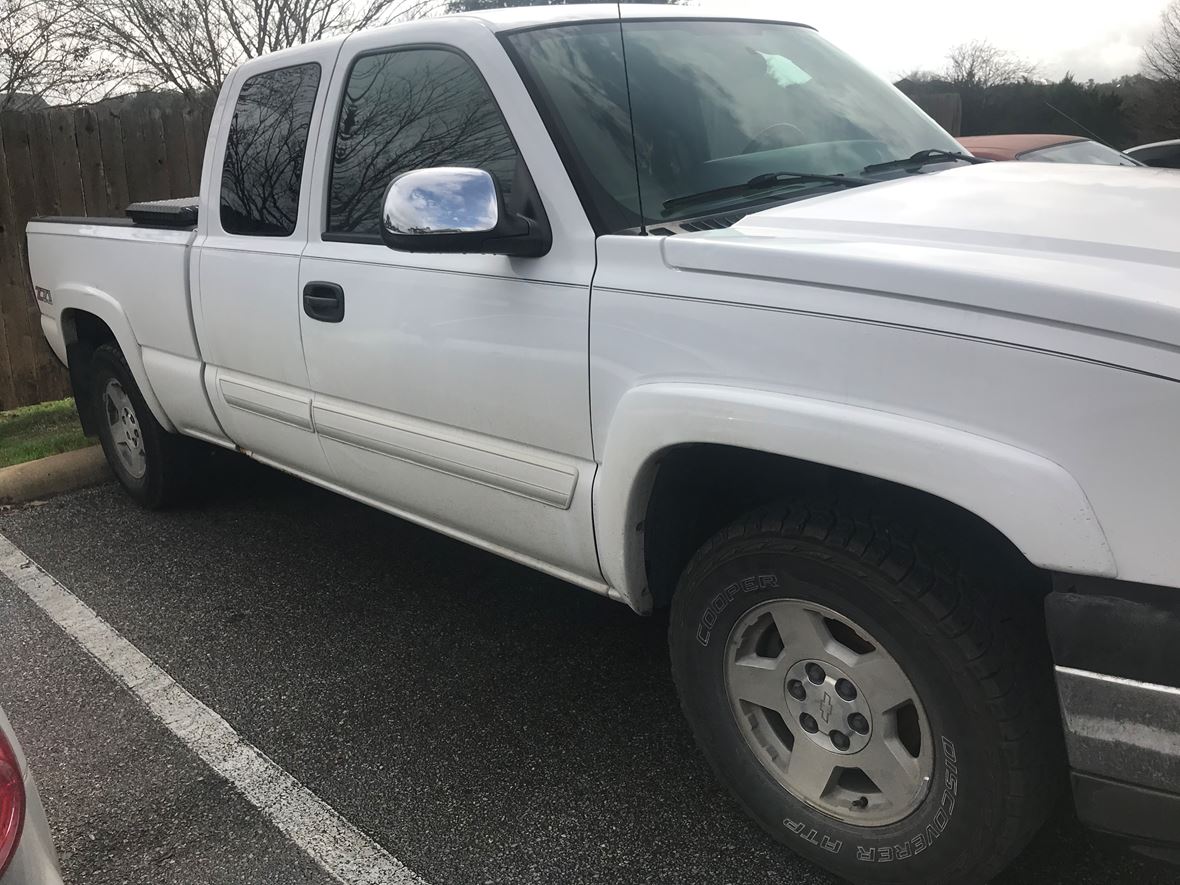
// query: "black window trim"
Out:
[327,236]
[555,128]
[233,108]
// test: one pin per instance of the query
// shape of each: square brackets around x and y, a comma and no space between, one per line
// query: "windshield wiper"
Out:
[765,182]
[922,158]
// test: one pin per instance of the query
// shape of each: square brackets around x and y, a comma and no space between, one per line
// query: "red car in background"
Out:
[1045,149]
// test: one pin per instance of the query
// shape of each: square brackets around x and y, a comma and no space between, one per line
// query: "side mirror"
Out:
[452,209]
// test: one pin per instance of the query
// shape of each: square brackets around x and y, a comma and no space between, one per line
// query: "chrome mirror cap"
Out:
[442,200]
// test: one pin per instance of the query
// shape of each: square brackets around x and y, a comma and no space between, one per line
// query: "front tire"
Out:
[874,701]
[154,466]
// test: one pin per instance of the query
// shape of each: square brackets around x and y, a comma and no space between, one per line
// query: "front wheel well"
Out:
[699,489]
[84,333]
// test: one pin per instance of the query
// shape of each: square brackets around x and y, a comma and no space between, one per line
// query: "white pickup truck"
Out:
[695,312]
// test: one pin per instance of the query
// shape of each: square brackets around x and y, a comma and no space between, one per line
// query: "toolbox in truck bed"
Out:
[180,212]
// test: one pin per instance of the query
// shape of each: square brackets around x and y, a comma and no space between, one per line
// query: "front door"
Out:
[454,388]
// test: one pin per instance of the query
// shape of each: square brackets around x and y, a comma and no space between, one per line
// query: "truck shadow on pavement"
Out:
[484,722]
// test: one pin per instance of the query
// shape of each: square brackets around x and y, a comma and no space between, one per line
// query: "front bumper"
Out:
[1116,647]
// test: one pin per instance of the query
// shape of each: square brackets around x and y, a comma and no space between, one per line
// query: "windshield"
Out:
[1080,152]
[715,104]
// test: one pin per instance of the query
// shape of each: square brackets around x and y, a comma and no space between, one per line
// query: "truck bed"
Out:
[135,279]
[138,271]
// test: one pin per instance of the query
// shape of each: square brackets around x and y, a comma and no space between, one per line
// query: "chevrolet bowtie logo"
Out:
[825,707]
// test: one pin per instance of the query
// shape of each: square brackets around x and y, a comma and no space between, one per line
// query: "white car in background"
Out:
[1164,154]
[27,856]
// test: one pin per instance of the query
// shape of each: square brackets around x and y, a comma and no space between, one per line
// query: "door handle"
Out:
[323,302]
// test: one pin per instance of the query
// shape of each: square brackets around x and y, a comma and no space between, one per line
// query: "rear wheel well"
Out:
[84,333]
[699,489]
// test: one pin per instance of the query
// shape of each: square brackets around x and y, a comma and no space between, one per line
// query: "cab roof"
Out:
[519,17]
[512,19]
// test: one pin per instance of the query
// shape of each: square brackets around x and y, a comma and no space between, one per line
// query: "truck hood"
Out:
[1091,248]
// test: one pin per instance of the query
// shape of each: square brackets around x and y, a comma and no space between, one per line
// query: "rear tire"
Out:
[952,703]
[154,466]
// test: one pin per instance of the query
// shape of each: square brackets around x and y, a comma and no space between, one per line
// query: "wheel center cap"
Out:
[827,707]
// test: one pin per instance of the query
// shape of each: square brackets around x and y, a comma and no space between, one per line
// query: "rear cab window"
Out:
[265,152]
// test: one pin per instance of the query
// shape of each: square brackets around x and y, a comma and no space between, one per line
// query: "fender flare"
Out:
[1033,501]
[86,299]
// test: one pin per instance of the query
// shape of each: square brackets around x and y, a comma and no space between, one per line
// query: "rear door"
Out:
[254,220]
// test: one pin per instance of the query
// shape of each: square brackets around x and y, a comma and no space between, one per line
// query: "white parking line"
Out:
[345,853]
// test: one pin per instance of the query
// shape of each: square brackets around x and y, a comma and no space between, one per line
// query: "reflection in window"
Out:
[411,109]
[264,152]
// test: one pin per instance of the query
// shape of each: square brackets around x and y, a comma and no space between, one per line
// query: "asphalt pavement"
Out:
[482,722]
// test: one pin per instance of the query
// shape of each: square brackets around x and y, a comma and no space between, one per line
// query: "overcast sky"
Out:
[1093,38]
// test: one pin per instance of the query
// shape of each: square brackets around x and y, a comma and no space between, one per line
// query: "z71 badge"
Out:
[43,294]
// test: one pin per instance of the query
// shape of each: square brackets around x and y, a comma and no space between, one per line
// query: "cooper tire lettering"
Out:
[721,601]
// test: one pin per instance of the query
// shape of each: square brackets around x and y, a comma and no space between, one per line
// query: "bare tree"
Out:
[1161,64]
[475,5]
[980,65]
[920,75]
[43,57]
[1161,56]
[191,45]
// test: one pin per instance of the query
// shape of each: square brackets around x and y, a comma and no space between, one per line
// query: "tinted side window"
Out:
[411,109]
[265,150]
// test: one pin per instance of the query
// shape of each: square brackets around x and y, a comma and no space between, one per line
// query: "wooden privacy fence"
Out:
[80,161]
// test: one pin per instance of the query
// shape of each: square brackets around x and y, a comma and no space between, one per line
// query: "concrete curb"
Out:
[53,475]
